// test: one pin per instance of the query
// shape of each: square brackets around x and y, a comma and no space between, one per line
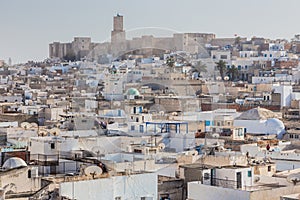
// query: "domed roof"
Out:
[275,122]
[133,91]
[13,163]
[257,114]
[275,126]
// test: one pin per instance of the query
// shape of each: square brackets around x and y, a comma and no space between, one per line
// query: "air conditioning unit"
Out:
[33,172]
[129,149]
[76,155]
[146,150]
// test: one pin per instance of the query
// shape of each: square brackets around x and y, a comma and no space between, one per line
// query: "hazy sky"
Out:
[28,26]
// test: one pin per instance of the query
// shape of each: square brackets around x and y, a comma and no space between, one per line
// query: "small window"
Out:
[29,173]
[206,176]
[52,145]
[164,197]
[141,128]
[249,173]
[118,198]
[223,56]
[269,168]
[146,198]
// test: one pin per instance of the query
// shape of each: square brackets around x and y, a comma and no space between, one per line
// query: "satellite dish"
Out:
[98,150]
[215,135]
[93,171]
[256,179]
[192,153]
[174,114]
[25,125]
[161,146]
[42,133]
[34,125]
[117,103]
[54,131]
[219,78]
[226,78]
[144,143]
[294,178]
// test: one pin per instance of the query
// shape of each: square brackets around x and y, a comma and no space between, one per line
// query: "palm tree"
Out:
[170,61]
[198,67]
[237,42]
[232,72]
[221,66]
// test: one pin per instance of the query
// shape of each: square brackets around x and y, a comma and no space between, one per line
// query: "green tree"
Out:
[237,40]
[199,67]
[170,61]
[221,66]
[232,72]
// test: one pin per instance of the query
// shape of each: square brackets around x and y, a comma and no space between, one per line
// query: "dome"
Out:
[275,126]
[133,92]
[13,163]
[257,114]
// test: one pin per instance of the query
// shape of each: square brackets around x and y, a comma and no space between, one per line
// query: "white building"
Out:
[270,55]
[114,86]
[135,186]
[260,121]
[248,54]
[18,178]
[221,55]
[286,92]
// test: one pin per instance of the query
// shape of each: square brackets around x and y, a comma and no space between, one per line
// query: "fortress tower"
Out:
[118,34]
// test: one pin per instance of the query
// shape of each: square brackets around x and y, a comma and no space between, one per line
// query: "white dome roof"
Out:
[13,163]
[275,126]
